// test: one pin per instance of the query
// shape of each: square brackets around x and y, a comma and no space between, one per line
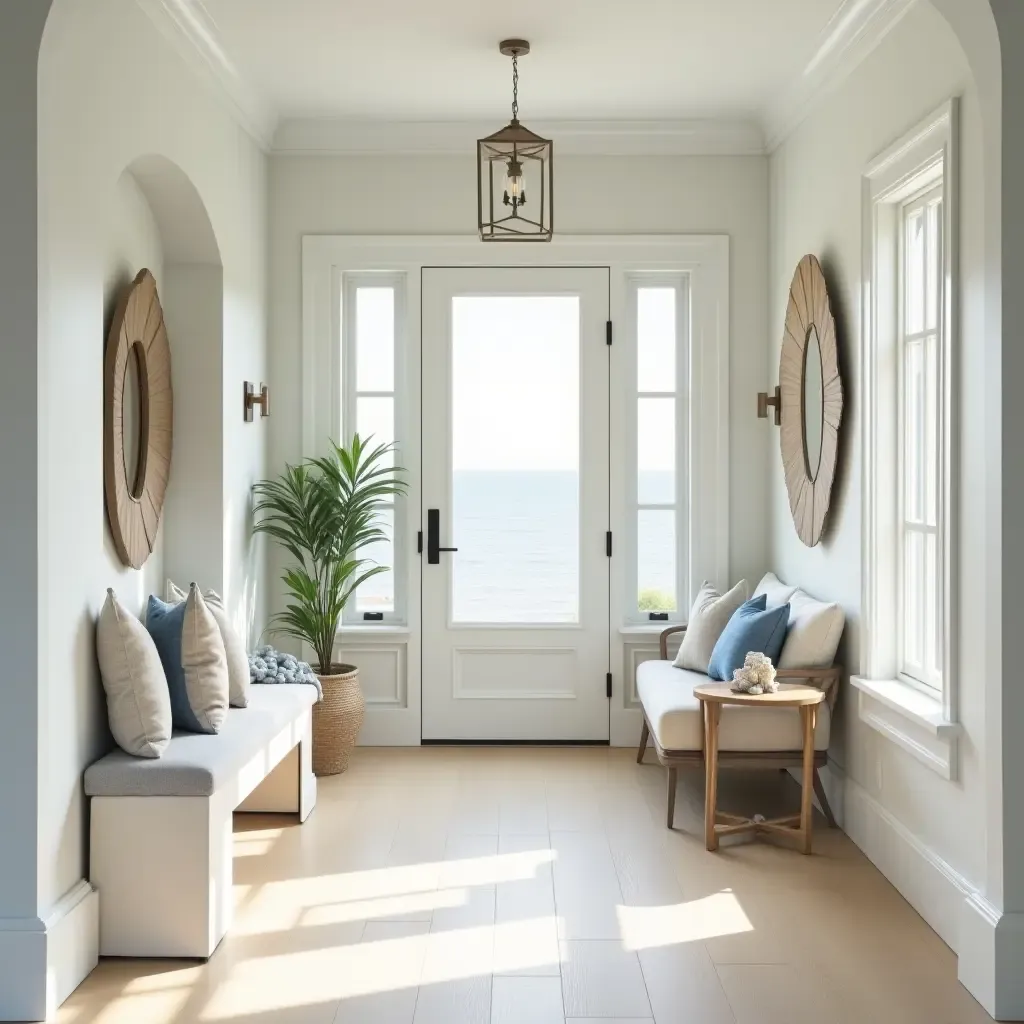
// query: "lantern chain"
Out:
[515,86]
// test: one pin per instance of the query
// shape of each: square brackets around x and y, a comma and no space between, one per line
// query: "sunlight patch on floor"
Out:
[162,1007]
[378,892]
[274,983]
[693,921]
[399,908]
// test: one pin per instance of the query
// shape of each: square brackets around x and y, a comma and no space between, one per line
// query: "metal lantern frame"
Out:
[514,143]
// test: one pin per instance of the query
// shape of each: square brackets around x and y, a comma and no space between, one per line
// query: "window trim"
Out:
[889,702]
[705,258]
[345,410]
[680,282]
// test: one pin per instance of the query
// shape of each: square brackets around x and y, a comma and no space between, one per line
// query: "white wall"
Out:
[608,195]
[113,90]
[815,186]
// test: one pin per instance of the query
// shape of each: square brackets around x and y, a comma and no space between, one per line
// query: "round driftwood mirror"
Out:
[812,400]
[137,420]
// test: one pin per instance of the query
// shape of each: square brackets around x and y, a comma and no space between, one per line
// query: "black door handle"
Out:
[434,548]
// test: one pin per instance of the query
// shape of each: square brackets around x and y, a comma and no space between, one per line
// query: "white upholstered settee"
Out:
[749,737]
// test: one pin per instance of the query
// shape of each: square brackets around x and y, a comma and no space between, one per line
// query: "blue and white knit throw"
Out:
[270,666]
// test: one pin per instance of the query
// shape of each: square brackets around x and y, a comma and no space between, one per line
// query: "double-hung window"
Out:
[920,463]
[658,315]
[907,681]
[372,324]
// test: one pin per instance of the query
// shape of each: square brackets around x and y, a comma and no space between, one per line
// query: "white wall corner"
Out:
[188,26]
[857,27]
[991,953]
[43,960]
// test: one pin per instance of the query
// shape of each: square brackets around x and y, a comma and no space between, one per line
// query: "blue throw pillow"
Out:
[191,649]
[751,628]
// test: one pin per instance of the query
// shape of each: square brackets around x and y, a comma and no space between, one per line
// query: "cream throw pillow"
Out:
[815,628]
[775,591]
[709,616]
[138,702]
[234,649]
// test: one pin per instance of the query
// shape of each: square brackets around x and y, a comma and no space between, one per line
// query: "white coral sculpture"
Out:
[757,675]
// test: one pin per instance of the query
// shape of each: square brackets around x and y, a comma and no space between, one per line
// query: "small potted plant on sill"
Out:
[324,512]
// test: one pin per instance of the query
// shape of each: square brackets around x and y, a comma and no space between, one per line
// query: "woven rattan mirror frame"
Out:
[134,506]
[809,308]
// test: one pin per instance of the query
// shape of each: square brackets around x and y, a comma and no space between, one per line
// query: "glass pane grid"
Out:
[919,570]
[657,310]
[370,411]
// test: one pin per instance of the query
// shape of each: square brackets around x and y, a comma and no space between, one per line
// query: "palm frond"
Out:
[323,512]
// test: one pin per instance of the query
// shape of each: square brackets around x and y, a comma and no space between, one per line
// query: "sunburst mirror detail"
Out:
[812,400]
[137,446]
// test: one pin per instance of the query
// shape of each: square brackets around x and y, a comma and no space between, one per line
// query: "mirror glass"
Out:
[813,402]
[135,421]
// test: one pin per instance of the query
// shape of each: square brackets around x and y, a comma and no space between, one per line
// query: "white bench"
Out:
[161,829]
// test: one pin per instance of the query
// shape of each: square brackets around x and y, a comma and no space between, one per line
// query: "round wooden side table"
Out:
[796,828]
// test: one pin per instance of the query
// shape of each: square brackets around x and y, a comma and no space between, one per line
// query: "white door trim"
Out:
[705,258]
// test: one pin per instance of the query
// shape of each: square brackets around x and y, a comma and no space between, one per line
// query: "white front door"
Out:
[515,575]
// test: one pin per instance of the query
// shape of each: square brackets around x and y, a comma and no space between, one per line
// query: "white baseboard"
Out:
[990,957]
[934,888]
[989,944]
[43,960]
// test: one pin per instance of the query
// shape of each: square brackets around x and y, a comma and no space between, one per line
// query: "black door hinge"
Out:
[419,542]
[608,685]
[608,543]
[608,332]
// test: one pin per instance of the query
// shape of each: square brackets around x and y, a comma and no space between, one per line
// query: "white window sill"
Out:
[641,629]
[912,719]
[368,630]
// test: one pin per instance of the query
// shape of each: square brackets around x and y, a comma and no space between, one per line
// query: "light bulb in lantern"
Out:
[515,187]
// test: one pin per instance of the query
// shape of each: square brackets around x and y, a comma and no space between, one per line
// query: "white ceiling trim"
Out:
[190,28]
[336,136]
[856,28]
[851,34]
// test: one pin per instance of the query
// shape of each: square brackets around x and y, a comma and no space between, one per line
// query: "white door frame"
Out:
[393,683]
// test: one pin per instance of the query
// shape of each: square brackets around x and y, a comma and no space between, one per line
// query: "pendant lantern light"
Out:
[515,183]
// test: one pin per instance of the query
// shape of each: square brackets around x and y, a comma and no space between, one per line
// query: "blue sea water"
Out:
[519,546]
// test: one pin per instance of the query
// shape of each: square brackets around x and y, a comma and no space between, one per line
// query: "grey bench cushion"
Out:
[195,764]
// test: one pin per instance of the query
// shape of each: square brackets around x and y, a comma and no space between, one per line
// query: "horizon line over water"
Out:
[517,532]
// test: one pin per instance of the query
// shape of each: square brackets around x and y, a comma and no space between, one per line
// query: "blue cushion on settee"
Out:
[753,627]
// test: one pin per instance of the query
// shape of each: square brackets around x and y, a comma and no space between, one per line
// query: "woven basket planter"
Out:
[337,720]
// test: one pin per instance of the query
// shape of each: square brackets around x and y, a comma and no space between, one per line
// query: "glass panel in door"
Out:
[515,459]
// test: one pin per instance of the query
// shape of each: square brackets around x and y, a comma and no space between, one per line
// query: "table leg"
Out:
[711,712]
[808,715]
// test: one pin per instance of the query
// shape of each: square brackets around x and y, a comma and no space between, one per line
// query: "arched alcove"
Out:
[190,282]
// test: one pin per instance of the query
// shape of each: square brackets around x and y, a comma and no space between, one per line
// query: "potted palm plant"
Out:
[324,512]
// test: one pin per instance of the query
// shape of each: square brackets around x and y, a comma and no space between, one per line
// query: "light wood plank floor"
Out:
[540,886]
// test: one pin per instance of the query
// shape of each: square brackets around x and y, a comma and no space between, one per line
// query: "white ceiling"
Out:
[437,60]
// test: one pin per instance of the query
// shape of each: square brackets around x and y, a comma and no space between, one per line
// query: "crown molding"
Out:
[857,27]
[341,137]
[193,32]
